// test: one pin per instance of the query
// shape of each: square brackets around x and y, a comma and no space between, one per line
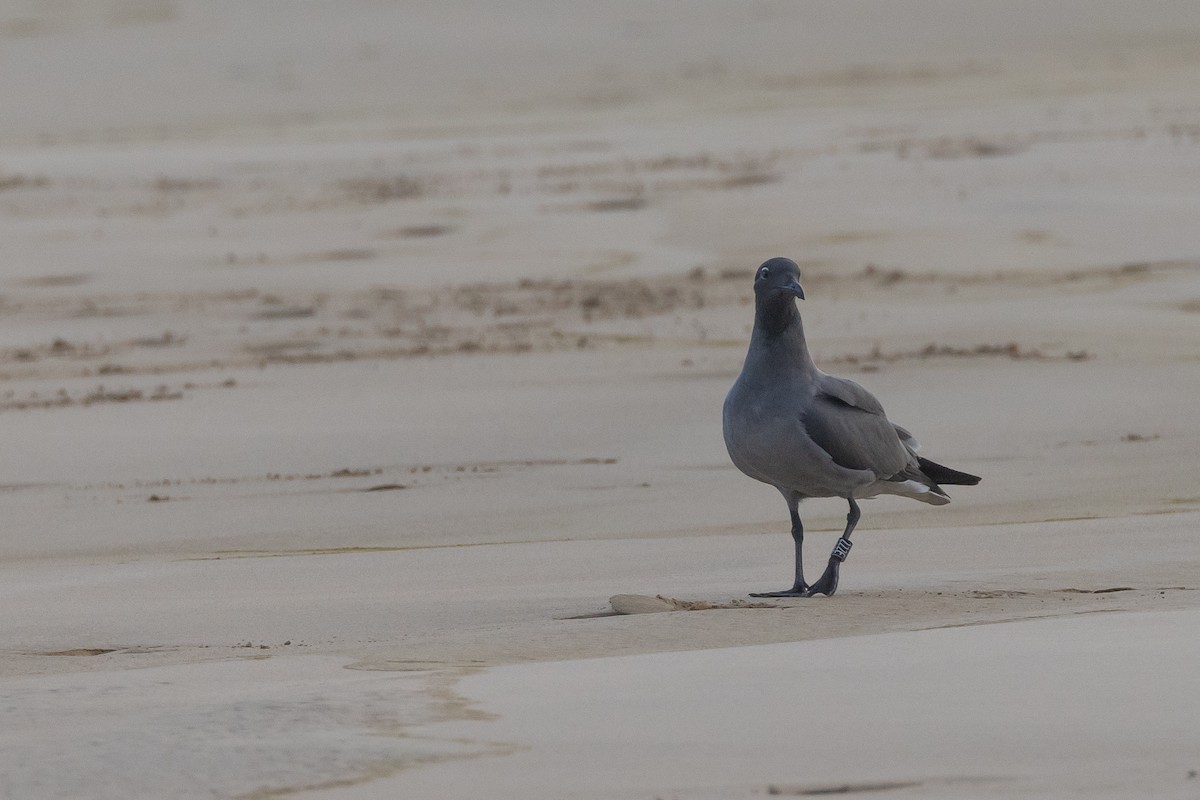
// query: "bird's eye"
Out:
[764,272]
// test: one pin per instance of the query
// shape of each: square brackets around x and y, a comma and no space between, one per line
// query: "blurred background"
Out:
[537,139]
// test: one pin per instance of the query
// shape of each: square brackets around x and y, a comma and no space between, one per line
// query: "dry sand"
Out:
[354,356]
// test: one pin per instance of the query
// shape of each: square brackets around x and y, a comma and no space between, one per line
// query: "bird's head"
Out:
[778,278]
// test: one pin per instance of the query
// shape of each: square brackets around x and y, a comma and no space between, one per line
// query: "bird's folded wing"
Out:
[847,422]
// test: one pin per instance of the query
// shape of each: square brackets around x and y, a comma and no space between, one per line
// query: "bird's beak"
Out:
[794,288]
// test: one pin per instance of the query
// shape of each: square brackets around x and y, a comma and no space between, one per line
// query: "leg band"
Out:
[841,549]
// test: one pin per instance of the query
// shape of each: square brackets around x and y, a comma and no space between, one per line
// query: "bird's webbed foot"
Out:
[827,583]
[799,590]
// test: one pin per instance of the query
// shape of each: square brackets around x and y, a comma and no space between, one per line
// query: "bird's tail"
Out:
[943,474]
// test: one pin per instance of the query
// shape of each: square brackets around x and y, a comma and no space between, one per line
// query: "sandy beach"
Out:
[354,355]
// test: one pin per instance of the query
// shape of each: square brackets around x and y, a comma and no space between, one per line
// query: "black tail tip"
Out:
[944,474]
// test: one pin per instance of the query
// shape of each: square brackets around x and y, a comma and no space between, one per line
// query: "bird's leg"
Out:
[827,584]
[799,587]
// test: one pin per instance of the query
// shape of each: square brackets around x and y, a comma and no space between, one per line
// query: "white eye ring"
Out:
[764,272]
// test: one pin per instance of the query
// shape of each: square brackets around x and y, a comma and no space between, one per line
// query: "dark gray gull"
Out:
[810,434]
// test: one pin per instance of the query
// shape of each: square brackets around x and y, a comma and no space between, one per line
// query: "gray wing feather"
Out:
[849,393]
[847,422]
[909,440]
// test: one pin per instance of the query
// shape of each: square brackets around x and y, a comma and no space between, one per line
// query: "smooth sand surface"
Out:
[353,356]
[1015,710]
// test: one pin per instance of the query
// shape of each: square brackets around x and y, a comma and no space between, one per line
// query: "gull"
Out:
[811,434]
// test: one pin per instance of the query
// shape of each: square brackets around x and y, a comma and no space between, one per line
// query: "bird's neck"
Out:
[779,335]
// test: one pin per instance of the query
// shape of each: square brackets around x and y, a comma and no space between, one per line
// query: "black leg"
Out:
[799,587]
[828,582]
